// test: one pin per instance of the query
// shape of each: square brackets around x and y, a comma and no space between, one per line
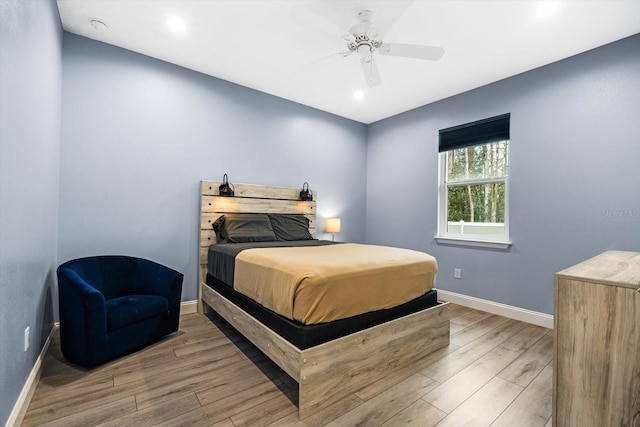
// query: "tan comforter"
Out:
[324,283]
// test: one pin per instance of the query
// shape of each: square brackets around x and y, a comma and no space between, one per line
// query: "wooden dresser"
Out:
[596,378]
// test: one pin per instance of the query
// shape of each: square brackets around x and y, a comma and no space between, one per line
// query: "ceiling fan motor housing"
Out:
[364,45]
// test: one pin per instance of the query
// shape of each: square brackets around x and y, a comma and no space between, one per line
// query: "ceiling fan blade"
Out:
[388,13]
[417,51]
[333,13]
[334,57]
[370,69]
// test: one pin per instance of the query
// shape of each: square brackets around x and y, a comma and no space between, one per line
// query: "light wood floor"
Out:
[495,372]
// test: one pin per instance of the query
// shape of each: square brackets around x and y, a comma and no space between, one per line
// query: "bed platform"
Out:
[335,369]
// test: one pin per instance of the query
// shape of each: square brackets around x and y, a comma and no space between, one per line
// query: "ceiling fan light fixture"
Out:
[364,51]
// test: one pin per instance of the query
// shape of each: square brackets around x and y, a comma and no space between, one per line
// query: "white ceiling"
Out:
[272,46]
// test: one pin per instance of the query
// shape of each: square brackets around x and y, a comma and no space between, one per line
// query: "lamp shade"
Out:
[332,225]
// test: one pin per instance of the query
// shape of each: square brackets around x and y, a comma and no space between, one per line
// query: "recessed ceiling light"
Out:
[176,25]
[358,95]
[546,9]
[98,24]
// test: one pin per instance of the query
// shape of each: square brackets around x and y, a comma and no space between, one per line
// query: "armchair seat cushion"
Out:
[130,309]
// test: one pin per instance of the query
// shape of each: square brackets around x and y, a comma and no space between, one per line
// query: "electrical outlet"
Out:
[456,273]
[26,338]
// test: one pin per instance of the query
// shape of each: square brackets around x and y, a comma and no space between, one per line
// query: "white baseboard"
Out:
[22,404]
[188,307]
[524,315]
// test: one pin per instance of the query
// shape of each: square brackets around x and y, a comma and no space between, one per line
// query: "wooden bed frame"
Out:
[331,371]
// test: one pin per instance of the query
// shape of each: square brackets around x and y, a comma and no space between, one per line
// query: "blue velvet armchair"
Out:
[113,305]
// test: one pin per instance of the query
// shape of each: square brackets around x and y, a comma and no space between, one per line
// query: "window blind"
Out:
[475,133]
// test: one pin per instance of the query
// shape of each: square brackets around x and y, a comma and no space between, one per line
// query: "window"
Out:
[474,183]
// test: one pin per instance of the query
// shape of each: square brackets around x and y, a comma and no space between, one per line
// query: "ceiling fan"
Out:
[365,40]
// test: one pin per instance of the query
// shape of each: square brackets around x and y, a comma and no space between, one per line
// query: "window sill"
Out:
[473,242]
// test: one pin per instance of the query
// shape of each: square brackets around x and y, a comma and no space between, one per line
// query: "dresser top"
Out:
[618,268]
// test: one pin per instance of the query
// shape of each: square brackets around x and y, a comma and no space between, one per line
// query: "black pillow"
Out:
[240,228]
[290,227]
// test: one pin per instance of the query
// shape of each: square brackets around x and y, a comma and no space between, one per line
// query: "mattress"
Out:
[307,336]
[221,258]
[320,283]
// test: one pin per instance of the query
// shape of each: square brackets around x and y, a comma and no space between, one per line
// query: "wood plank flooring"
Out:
[495,372]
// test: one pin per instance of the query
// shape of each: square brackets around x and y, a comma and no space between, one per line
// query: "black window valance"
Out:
[475,133]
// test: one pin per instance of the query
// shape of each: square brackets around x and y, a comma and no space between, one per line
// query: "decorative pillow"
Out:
[240,228]
[290,227]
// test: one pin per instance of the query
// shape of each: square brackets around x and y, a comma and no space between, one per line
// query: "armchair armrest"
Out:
[80,296]
[82,315]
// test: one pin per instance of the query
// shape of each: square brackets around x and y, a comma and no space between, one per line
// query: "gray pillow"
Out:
[240,228]
[290,227]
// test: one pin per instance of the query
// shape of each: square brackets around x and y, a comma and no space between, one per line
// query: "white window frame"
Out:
[477,240]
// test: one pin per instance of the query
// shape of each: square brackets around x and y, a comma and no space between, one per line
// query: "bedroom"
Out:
[106,135]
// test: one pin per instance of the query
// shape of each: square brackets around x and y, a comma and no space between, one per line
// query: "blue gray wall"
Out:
[139,134]
[30,87]
[575,174]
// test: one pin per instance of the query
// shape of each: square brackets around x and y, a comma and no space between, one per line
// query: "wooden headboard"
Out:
[249,198]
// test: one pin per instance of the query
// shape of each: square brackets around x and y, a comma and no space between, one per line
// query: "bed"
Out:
[328,358]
